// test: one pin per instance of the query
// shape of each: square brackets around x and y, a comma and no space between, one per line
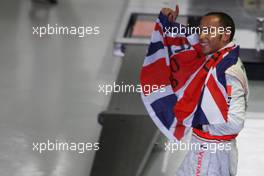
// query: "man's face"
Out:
[211,41]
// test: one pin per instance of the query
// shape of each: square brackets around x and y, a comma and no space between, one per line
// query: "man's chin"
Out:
[207,51]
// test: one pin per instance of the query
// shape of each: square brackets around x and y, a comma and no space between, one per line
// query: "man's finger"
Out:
[176,11]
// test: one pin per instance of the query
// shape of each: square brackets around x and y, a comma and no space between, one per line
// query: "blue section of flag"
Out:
[164,21]
[199,116]
[154,47]
[230,59]
[163,108]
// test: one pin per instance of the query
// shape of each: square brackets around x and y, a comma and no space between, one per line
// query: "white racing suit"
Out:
[218,155]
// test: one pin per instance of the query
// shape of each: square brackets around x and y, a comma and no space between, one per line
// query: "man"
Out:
[219,162]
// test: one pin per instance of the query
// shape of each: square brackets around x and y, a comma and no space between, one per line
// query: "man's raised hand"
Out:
[170,13]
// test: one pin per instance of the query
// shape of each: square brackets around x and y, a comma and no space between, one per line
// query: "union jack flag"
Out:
[195,86]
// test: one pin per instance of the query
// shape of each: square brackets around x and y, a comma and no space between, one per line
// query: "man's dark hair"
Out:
[225,21]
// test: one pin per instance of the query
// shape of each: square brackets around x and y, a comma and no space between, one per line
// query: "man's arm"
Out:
[237,81]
